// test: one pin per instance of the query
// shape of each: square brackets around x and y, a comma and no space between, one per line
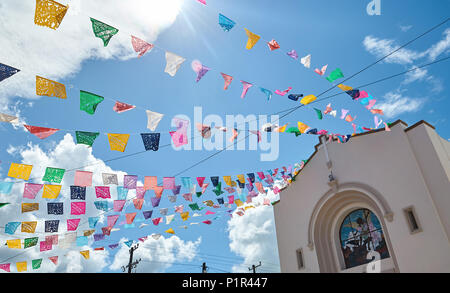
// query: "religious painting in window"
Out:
[361,232]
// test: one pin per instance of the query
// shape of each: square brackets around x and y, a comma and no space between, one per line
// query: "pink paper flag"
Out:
[112,220]
[158,191]
[41,132]
[200,181]
[328,109]
[44,246]
[282,93]
[31,189]
[138,203]
[204,186]
[202,1]
[201,72]
[6,267]
[227,78]
[72,224]
[235,134]
[377,122]
[169,183]
[231,199]
[321,71]
[130,217]
[179,138]
[54,259]
[83,178]
[120,107]
[344,112]
[102,192]
[386,127]
[209,213]
[207,222]
[266,202]
[260,187]
[354,127]
[349,118]
[77,208]
[140,46]
[362,94]
[371,104]
[187,196]
[150,182]
[118,205]
[245,87]
[156,221]
[276,190]
[179,209]
[322,132]
[140,192]
[52,239]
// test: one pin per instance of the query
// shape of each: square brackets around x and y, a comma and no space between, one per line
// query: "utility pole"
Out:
[254,267]
[204,268]
[131,264]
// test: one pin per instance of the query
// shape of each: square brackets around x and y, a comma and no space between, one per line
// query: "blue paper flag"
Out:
[93,221]
[6,187]
[147,214]
[7,71]
[55,208]
[187,182]
[122,193]
[129,243]
[82,240]
[10,228]
[101,205]
[267,93]
[215,180]
[151,141]
[226,23]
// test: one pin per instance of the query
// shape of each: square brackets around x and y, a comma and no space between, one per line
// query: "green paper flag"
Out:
[89,102]
[335,74]
[103,31]
[319,113]
[86,137]
[30,242]
[53,175]
[2,204]
[199,193]
[194,206]
[36,263]
[294,130]
[217,190]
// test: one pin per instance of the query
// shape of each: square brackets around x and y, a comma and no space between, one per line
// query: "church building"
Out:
[377,203]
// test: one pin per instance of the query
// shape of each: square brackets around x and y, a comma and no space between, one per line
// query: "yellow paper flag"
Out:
[88,232]
[85,253]
[14,243]
[241,178]
[170,230]
[344,87]
[50,88]
[29,227]
[184,216]
[308,99]
[302,127]
[20,171]
[21,266]
[118,142]
[252,39]
[228,181]
[248,207]
[49,13]
[238,202]
[29,207]
[51,191]
[282,128]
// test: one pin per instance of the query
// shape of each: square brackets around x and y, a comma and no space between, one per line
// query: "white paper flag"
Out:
[153,119]
[306,61]
[169,219]
[8,118]
[173,63]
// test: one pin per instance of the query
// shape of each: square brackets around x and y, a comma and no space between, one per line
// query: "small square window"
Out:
[413,221]
[300,261]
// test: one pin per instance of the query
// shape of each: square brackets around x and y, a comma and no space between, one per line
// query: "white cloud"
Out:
[394,104]
[59,54]
[441,47]
[252,236]
[157,255]
[416,75]
[405,28]
[65,154]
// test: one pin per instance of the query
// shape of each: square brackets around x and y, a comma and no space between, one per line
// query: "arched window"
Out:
[361,232]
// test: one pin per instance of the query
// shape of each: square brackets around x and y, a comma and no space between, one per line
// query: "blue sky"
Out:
[338,33]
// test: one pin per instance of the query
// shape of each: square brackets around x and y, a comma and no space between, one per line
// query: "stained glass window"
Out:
[360,233]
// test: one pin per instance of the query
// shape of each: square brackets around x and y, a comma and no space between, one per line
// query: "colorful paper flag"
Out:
[89,102]
[50,88]
[120,107]
[151,141]
[153,119]
[252,39]
[103,31]
[173,63]
[86,138]
[51,191]
[41,132]
[118,142]
[225,23]
[7,71]
[140,46]
[49,13]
